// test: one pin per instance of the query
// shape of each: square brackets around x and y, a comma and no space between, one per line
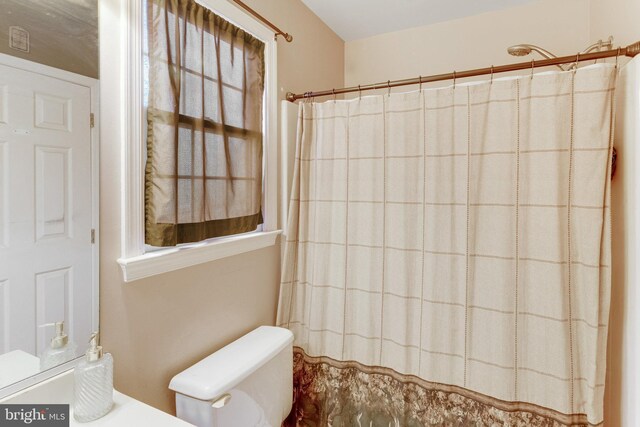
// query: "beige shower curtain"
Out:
[448,254]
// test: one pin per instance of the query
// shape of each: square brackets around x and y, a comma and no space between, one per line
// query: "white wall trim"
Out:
[134,262]
[166,260]
[132,176]
[93,86]
[288,135]
[48,71]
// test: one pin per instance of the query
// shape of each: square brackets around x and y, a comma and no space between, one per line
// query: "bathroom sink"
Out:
[126,410]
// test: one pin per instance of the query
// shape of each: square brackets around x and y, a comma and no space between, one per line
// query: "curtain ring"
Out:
[334,95]
[454,79]
[492,74]
[359,93]
[533,65]
[617,56]
[577,61]
[388,87]
[420,82]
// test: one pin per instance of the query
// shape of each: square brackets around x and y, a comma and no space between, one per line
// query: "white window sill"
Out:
[165,260]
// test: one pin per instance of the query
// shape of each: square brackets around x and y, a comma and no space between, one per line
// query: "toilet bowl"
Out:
[244,384]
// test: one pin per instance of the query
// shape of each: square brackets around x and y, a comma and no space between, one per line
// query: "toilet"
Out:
[245,384]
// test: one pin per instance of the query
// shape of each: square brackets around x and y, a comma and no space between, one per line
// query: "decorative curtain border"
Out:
[329,392]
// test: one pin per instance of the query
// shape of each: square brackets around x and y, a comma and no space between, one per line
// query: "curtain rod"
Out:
[631,51]
[288,37]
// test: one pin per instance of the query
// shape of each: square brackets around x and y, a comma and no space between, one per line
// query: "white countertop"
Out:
[17,365]
[126,410]
[130,412]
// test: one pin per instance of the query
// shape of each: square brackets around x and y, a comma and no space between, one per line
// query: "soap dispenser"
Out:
[93,397]
[60,350]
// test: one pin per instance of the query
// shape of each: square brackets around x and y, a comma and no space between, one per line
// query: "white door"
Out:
[45,210]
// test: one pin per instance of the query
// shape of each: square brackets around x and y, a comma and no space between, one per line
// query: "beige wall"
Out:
[157,327]
[472,42]
[563,27]
[618,18]
[62,33]
[57,56]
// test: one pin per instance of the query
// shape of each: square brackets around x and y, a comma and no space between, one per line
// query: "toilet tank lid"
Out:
[227,367]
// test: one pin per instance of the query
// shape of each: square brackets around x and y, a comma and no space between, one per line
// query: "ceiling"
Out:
[355,19]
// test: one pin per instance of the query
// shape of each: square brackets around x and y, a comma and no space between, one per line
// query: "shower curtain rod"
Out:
[631,51]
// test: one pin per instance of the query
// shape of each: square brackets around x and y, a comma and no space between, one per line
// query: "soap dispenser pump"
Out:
[60,350]
[93,397]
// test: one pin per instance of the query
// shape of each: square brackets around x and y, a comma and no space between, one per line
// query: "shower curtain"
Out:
[447,257]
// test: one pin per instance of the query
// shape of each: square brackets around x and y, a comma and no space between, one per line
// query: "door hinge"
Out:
[93,235]
[92,120]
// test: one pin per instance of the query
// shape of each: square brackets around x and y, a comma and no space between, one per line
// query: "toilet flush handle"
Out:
[221,401]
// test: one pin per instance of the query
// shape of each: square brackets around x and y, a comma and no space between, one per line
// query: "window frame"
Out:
[136,260]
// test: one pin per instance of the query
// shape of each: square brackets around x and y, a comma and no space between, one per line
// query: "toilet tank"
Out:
[247,383]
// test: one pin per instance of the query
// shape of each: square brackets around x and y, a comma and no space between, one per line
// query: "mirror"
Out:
[48,185]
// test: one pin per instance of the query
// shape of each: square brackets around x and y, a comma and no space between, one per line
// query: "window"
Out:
[206,109]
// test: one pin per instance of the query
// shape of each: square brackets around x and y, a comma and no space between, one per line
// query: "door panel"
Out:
[52,188]
[46,212]
[52,301]
[4,194]
[4,316]
[52,112]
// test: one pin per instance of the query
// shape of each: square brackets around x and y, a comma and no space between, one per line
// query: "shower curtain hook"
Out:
[388,88]
[492,74]
[334,95]
[577,61]
[359,93]
[420,82]
[533,64]
[454,79]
